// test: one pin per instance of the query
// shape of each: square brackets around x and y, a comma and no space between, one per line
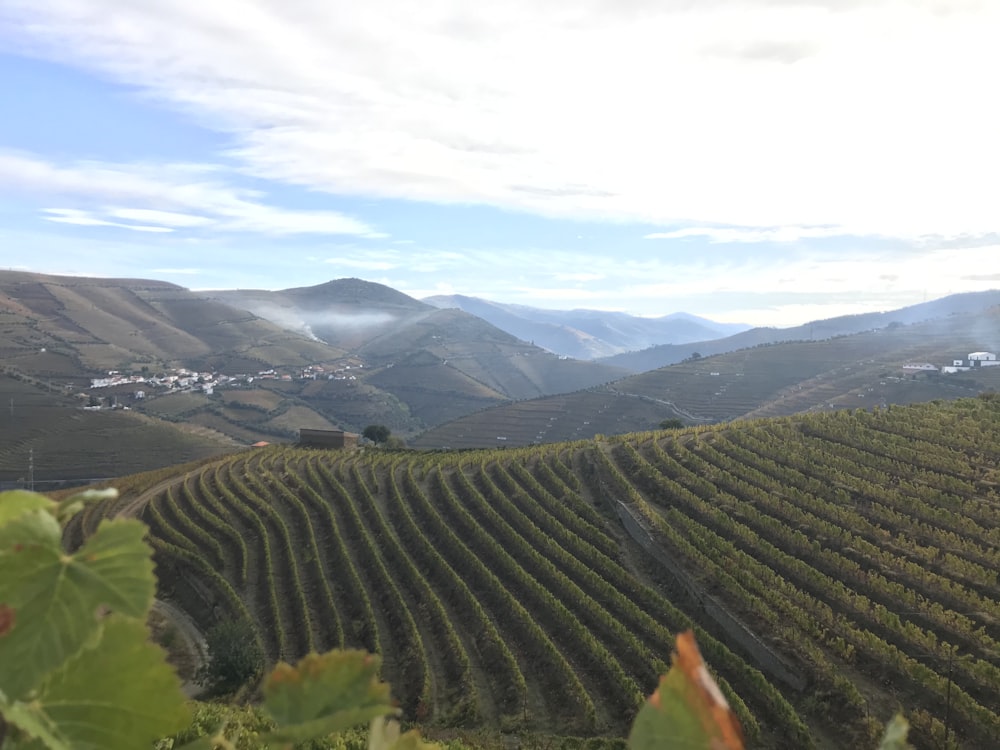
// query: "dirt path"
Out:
[134,507]
[189,650]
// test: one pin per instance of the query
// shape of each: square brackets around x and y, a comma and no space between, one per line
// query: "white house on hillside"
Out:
[976,359]
[983,359]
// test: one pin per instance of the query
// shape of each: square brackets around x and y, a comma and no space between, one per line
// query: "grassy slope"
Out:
[836,552]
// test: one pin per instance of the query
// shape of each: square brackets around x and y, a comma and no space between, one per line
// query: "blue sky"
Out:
[760,161]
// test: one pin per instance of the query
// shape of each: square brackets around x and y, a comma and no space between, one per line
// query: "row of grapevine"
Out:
[536,644]
[845,555]
[785,557]
[754,510]
[457,697]
[611,483]
[495,655]
[405,645]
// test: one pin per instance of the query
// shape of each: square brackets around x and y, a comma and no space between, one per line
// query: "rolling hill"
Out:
[385,327]
[588,334]
[864,369]
[837,567]
[61,332]
[47,439]
[86,326]
[667,354]
[349,353]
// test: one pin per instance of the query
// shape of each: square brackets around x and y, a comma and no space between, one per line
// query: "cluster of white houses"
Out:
[974,360]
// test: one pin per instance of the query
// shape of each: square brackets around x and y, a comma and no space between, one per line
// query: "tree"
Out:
[671,424]
[235,656]
[377,433]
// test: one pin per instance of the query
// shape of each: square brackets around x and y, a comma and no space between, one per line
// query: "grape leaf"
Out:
[37,527]
[119,695]
[324,693]
[73,504]
[16,502]
[60,596]
[687,710]
[37,727]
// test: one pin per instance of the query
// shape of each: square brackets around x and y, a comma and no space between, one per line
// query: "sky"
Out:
[767,162]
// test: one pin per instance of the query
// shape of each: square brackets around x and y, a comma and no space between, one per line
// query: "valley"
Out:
[822,512]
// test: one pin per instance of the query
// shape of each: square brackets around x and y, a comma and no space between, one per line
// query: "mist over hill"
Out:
[343,354]
[389,329]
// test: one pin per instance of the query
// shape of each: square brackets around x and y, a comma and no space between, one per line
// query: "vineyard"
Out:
[835,567]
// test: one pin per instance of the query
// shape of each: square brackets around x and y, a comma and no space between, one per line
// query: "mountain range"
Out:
[348,353]
[667,354]
[588,334]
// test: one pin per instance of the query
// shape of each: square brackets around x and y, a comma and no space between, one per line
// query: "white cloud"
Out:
[580,277]
[555,293]
[85,219]
[872,116]
[361,264]
[167,218]
[177,271]
[750,235]
[170,196]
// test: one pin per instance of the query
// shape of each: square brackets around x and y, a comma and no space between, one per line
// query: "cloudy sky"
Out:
[760,161]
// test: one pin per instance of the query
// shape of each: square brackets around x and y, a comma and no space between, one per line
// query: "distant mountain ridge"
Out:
[588,334]
[388,328]
[844,325]
[345,353]
[867,369]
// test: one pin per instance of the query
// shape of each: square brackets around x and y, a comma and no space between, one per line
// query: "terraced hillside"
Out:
[836,567]
[863,369]
[47,437]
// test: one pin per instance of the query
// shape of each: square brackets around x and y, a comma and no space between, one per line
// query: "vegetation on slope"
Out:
[778,379]
[45,436]
[836,567]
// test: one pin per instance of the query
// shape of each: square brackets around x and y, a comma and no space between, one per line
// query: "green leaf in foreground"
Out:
[33,528]
[16,502]
[75,503]
[687,710]
[55,600]
[119,695]
[324,693]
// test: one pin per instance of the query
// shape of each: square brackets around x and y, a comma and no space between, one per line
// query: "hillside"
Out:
[836,567]
[971,303]
[48,437]
[406,346]
[380,349]
[88,325]
[865,369]
[587,334]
